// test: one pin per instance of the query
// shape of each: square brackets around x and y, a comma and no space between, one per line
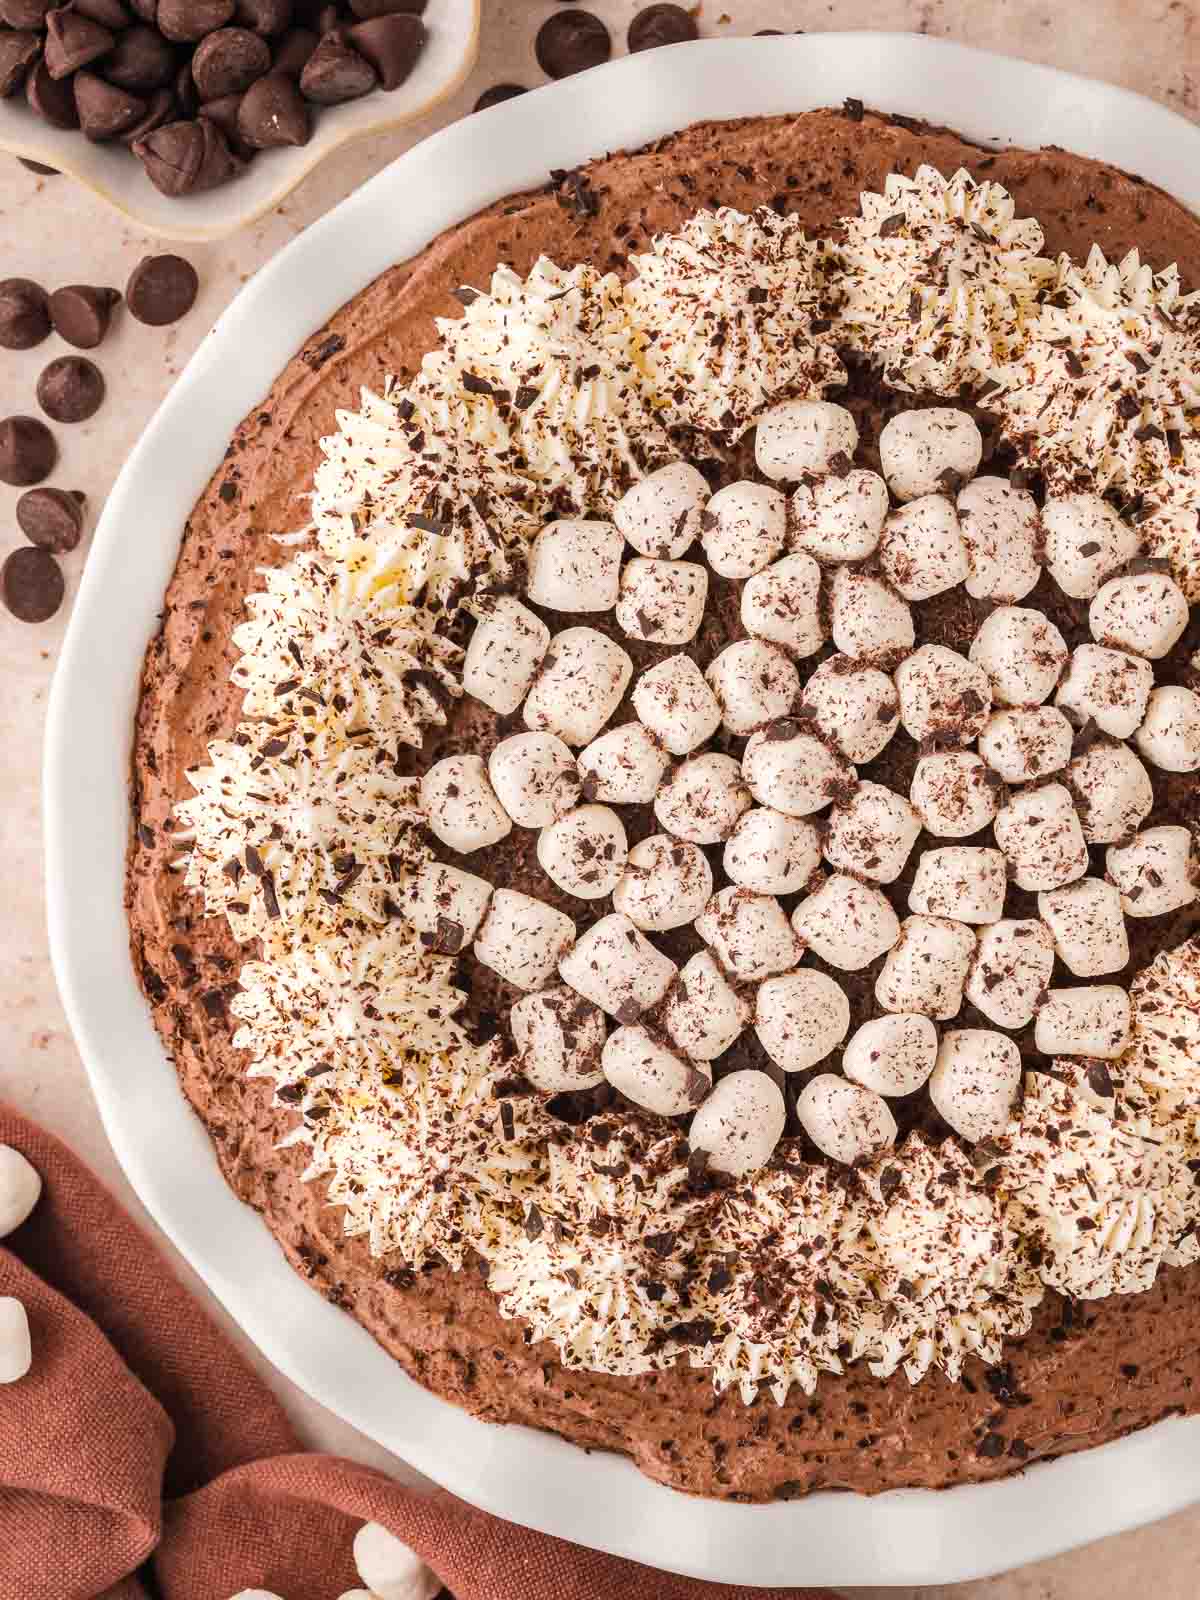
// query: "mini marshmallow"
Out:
[1001,530]
[856,707]
[1026,743]
[1040,833]
[967,882]
[1088,927]
[846,923]
[1113,792]
[585,852]
[581,683]
[976,1081]
[844,1120]
[744,528]
[892,1055]
[616,967]
[666,884]
[754,683]
[1022,653]
[575,566]
[791,771]
[704,1013]
[1154,872]
[1108,687]
[662,601]
[1169,736]
[390,1570]
[930,451]
[1085,541]
[1092,1020]
[1171,535]
[943,694]
[868,618]
[660,516]
[523,939]
[953,793]
[20,1189]
[922,551]
[503,654]
[650,1073]
[748,933]
[804,438]
[800,1018]
[677,705]
[840,519]
[1012,966]
[740,1123]
[559,1036]
[535,778]
[702,799]
[16,1347]
[782,605]
[770,852]
[872,833]
[461,805]
[927,967]
[444,904]
[623,766]
[1144,614]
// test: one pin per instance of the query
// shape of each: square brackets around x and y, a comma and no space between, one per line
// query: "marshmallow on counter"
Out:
[444,904]
[523,939]
[1022,653]
[922,552]
[580,684]
[953,793]
[800,1017]
[1112,790]
[1169,736]
[1108,687]
[1002,531]
[782,605]
[1144,613]
[704,1013]
[535,778]
[575,566]
[942,694]
[744,528]
[584,852]
[1012,966]
[559,1036]
[1026,742]
[20,1189]
[660,515]
[771,853]
[1088,927]
[649,1072]
[844,1120]
[1092,1020]
[856,707]
[1040,833]
[1085,542]
[662,601]
[623,766]
[503,654]
[748,933]
[1155,871]
[792,771]
[754,683]
[846,924]
[389,1569]
[804,438]
[740,1123]
[616,967]
[868,618]
[872,833]
[927,967]
[933,451]
[963,881]
[839,519]
[893,1055]
[667,883]
[702,799]
[976,1081]
[16,1347]
[461,805]
[676,704]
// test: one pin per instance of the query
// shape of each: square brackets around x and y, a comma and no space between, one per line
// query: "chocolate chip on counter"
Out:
[228,61]
[24,314]
[571,41]
[185,21]
[39,168]
[161,107]
[335,72]
[267,17]
[161,289]
[81,313]
[18,54]
[51,98]
[364,10]
[391,44]
[72,41]
[23,14]
[661,25]
[272,114]
[141,61]
[112,14]
[187,157]
[293,50]
[105,112]
[498,94]
[52,518]
[70,389]
[27,451]
[31,582]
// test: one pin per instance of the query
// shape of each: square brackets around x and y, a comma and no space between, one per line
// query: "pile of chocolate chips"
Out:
[195,88]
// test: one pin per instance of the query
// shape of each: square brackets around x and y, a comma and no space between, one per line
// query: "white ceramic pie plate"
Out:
[905,1536]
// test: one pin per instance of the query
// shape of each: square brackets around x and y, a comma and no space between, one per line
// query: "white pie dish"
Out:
[905,1536]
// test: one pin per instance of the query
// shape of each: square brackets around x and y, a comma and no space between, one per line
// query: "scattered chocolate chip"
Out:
[661,24]
[142,62]
[18,55]
[53,101]
[185,21]
[263,16]
[81,313]
[72,41]
[293,51]
[32,584]
[24,314]
[105,112]
[27,451]
[1090,548]
[571,41]
[228,61]
[51,518]
[186,157]
[37,167]
[335,72]
[497,94]
[161,289]
[70,389]
[272,113]
[391,44]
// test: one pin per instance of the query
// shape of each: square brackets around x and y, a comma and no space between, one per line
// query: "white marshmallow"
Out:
[1001,530]
[976,1081]
[942,693]
[535,778]
[782,605]
[1039,832]
[523,939]
[1144,614]
[20,1189]
[927,967]
[1109,687]
[1088,927]
[16,1347]
[667,883]
[840,519]
[1085,541]
[704,1013]
[1012,966]
[922,551]
[585,852]
[1113,792]
[868,618]
[623,766]
[744,528]
[846,923]
[651,1074]
[962,881]
[581,683]
[1022,653]
[444,903]
[1169,736]
[754,683]
[892,1055]
[872,833]
[677,705]
[740,1123]
[801,438]
[616,967]
[660,516]
[390,1570]
[1154,872]
[662,601]
[856,707]
[800,1018]
[503,654]
[1092,1020]
[575,566]
[1172,534]
[559,1036]
[930,451]
[791,771]
[844,1120]
[748,933]
[1026,743]
[771,853]
[461,805]
[952,794]
[702,799]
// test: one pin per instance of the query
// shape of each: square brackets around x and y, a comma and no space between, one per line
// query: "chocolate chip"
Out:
[27,451]
[273,114]
[25,14]
[111,14]
[161,289]
[38,167]
[142,62]
[335,72]
[161,108]
[53,101]
[662,24]
[51,518]
[228,61]
[185,21]
[105,112]
[32,584]
[293,51]
[391,44]
[263,16]
[571,41]
[224,112]
[186,157]
[24,314]
[81,314]
[147,10]
[853,108]
[892,224]
[497,94]
[72,41]
[70,389]
[18,54]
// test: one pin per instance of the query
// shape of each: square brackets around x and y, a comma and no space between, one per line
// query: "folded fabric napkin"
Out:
[141,1457]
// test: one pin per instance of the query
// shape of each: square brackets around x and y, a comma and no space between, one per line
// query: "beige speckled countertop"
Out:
[52,231]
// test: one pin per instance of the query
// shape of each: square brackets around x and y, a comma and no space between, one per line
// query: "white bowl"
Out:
[112,172]
[905,1536]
